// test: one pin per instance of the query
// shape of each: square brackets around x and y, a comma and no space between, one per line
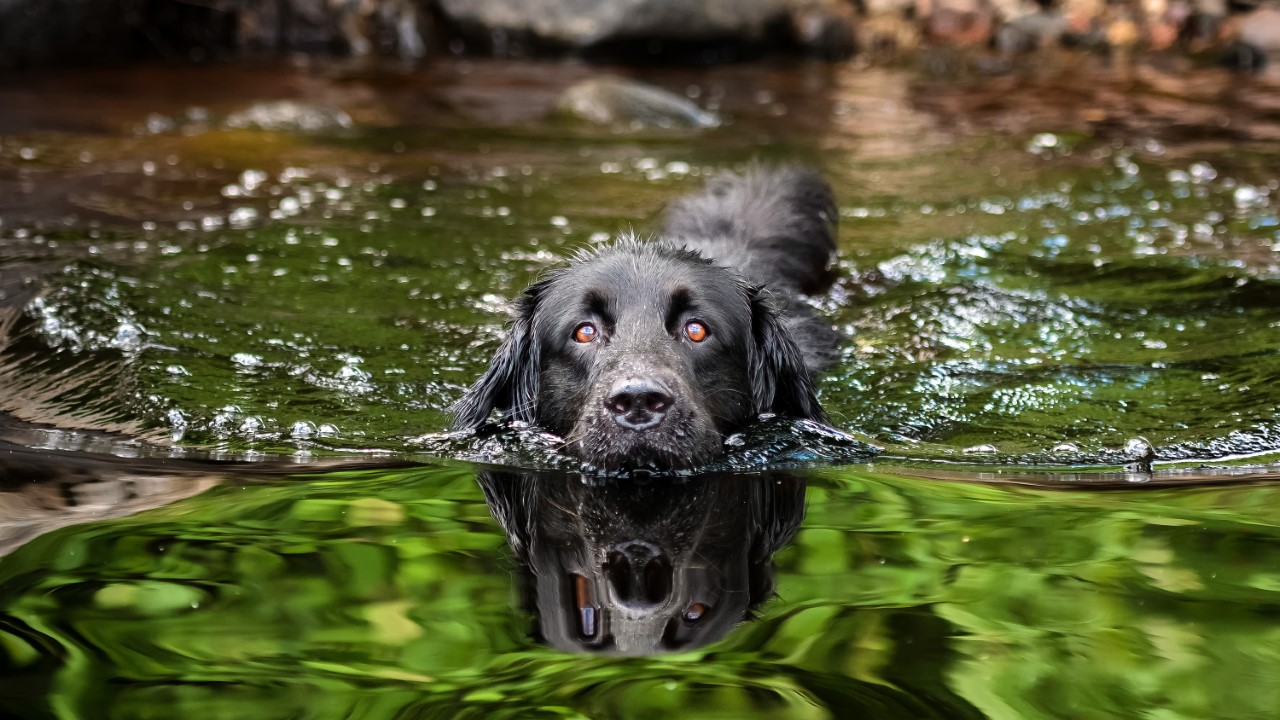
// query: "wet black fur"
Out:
[735,257]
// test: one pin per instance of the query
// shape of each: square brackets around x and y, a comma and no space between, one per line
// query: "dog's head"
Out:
[637,568]
[643,355]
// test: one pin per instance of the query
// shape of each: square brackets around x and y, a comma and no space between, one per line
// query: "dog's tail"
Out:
[776,225]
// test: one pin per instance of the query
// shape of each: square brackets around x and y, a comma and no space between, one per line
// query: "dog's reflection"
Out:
[643,566]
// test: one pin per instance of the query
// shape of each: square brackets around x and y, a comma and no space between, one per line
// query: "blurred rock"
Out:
[1261,29]
[884,36]
[59,31]
[288,116]
[34,32]
[825,29]
[610,101]
[1120,30]
[1084,20]
[957,22]
[1251,39]
[46,31]
[584,23]
[1204,24]
[367,25]
[1032,28]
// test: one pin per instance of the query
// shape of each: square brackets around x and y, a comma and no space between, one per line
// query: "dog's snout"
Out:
[638,404]
[639,574]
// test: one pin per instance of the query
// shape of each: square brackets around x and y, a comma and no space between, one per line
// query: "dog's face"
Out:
[640,568]
[643,355]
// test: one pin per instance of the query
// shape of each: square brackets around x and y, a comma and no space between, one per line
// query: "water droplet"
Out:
[1246,196]
[251,179]
[1138,454]
[1139,448]
[128,337]
[242,217]
[303,429]
[1042,143]
[1202,171]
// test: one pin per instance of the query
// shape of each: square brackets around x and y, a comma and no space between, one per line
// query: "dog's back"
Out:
[776,226]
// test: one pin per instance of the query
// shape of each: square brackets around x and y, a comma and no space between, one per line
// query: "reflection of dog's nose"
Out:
[639,574]
[638,404]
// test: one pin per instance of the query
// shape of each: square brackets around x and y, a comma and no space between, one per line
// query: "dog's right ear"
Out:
[511,500]
[510,385]
[777,510]
[780,380]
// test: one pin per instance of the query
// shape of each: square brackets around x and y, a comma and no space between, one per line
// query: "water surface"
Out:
[1038,269]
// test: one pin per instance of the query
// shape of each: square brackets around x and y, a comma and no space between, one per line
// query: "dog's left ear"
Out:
[780,380]
[511,382]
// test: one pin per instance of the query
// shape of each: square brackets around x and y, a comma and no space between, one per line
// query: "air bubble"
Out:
[1138,454]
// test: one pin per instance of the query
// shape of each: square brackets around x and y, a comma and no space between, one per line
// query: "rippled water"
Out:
[1049,271]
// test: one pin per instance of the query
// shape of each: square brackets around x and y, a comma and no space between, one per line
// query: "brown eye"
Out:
[695,612]
[585,333]
[695,331]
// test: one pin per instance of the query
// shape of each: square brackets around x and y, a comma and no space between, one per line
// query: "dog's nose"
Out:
[638,404]
[639,574]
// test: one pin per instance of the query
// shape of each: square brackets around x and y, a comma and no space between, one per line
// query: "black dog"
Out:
[636,567]
[647,354]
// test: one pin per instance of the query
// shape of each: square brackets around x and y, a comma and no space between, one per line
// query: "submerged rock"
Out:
[611,100]
[288,116]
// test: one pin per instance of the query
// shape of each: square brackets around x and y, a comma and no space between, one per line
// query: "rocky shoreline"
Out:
[34,33]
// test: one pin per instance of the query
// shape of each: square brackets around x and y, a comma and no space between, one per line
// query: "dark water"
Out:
[1043,274]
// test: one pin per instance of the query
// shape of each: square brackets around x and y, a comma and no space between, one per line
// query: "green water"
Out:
[377,593]
[1034,273]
